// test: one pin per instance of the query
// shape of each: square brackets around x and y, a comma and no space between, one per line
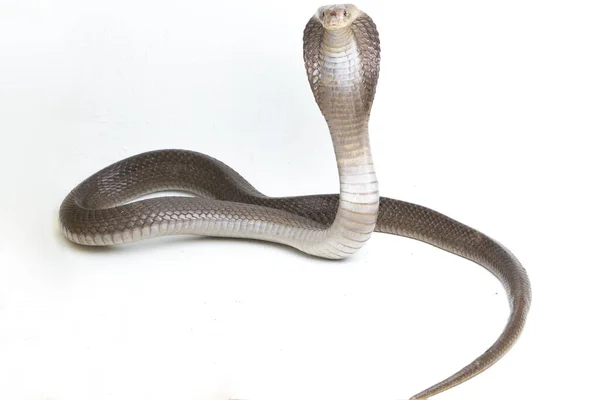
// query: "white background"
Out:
[486,111]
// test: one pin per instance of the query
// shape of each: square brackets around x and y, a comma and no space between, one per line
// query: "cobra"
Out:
[342,57]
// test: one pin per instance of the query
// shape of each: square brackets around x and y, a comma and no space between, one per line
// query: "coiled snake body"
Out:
[341,54]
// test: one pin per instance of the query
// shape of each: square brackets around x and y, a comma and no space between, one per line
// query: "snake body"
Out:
[341,54]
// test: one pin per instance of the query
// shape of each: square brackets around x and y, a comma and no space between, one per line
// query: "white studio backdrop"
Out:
[485,111]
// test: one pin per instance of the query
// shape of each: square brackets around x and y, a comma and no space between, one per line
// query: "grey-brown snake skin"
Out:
[341,54]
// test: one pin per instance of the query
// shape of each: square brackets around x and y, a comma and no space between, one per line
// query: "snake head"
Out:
[337,16]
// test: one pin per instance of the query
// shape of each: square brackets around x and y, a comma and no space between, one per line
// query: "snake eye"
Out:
[323,15]
[345,13]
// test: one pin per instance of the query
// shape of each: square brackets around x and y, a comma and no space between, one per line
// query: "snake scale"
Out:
[342,57]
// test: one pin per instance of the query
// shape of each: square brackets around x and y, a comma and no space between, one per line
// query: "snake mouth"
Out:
[334,24]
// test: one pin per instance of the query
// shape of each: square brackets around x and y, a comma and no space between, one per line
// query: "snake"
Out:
[342,61]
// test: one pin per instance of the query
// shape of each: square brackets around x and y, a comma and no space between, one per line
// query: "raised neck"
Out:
[341,102]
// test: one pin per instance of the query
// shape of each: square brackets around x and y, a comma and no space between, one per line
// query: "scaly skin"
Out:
[341,54]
